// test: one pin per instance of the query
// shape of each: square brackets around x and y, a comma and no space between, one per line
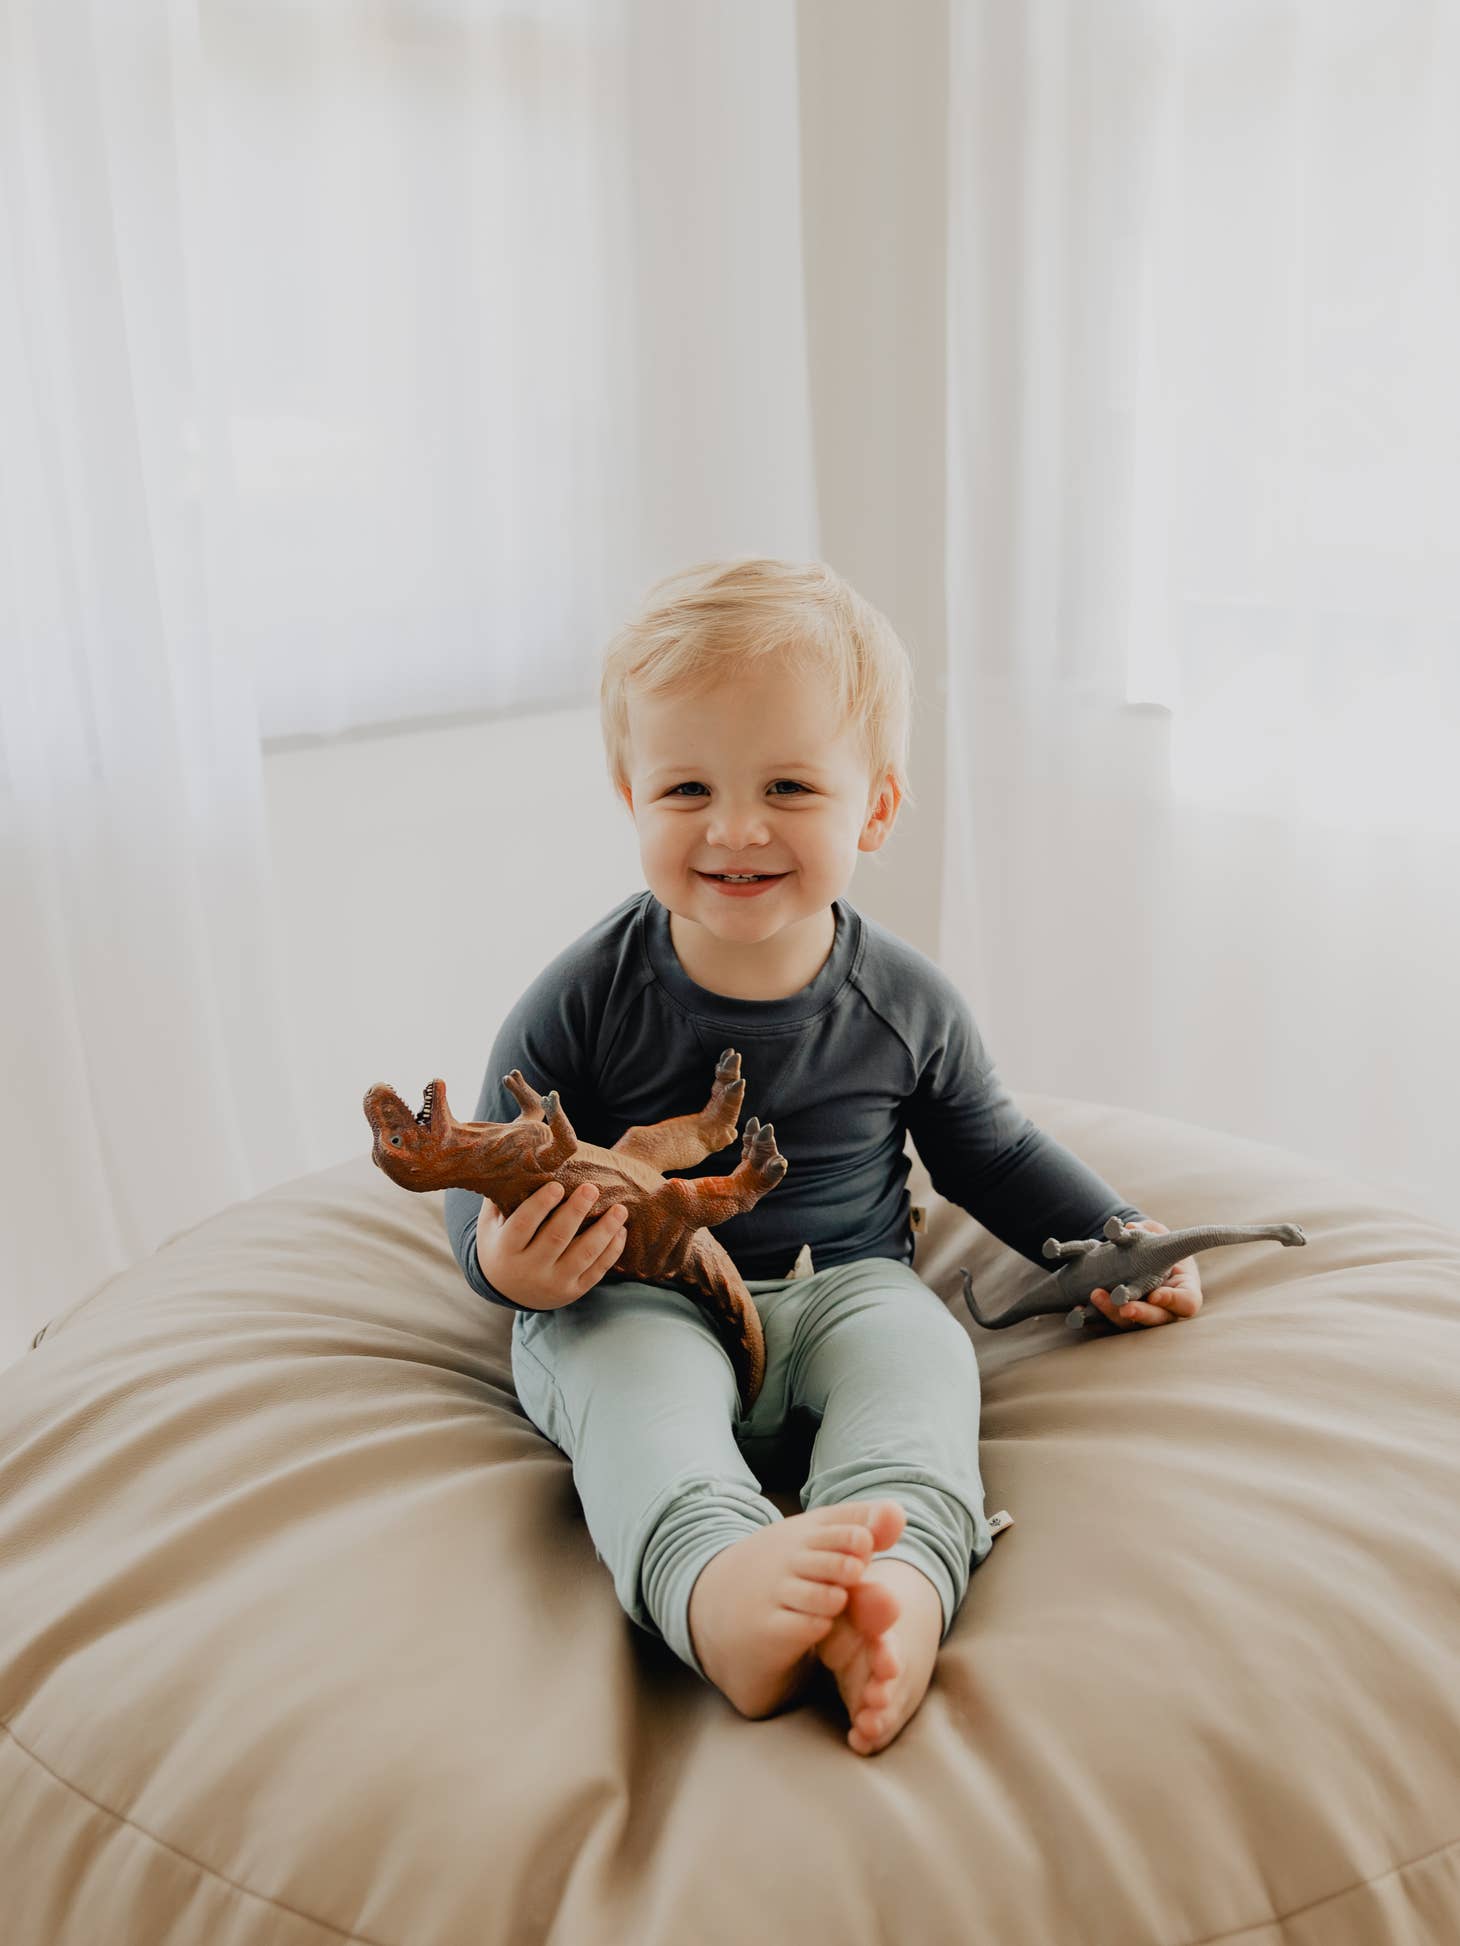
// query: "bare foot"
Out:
[882,1650]
[759,1607]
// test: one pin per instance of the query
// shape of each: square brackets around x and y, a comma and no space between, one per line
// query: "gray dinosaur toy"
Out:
[1131,1263]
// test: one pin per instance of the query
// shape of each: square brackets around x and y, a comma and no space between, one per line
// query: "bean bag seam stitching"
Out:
[308,1918]
[1344,1891]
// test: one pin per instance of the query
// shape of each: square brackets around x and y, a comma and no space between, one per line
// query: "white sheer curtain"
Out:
[147,1082]
[1204,564]
[357,362]
[513,318]
[364,361]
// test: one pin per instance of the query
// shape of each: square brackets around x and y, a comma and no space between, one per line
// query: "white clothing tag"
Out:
[802,1266]
[999,1521]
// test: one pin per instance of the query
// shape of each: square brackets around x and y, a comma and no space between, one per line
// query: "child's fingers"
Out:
[610,1234]
[1105,1305]
[1143,1311]
[522,1225]
[1133,1312]
[560,1231]
[1179,1300]
[599,1247]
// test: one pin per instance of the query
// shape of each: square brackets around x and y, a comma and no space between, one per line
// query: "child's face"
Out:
[755,775]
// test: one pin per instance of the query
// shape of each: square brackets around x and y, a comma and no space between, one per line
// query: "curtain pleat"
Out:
[1203,569]
[362,364]
[356,364]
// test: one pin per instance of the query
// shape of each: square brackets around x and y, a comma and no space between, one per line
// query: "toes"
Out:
[875,1727]
[793,1630]
[884,1520]
[871,1731]
[874,1607]
[887,1522]
[885,1663]
[815,1597]
[829,1564]
[844,1540]
[840,1647]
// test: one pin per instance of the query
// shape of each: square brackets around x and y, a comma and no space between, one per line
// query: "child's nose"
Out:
[737,830]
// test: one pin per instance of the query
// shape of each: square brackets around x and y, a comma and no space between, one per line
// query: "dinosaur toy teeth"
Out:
[389,1115]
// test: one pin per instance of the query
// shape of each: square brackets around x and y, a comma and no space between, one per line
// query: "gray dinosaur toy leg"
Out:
[1129,1264]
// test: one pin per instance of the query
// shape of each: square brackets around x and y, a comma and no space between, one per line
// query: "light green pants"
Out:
[633,1385]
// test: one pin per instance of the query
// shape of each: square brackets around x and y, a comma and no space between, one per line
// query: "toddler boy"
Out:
[755,717]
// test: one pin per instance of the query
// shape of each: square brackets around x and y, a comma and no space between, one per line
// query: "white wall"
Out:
[422,880]
[874,200]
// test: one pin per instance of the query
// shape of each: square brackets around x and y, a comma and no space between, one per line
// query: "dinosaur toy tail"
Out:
[1128,1264]
[720,1293]
[1032,1306]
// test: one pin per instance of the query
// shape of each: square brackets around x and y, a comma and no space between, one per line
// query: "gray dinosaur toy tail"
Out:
[1129,1264]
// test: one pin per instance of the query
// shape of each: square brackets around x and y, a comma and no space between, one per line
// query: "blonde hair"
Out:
[704,624]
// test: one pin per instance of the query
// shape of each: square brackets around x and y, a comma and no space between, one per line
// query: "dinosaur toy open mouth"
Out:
[389,1117]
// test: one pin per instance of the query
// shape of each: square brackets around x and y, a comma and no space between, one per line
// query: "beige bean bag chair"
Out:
[303,1639]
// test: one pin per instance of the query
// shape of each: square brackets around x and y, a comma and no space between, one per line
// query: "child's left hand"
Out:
[1177,1296]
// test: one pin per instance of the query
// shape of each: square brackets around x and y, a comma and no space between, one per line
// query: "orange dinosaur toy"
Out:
[667,1230]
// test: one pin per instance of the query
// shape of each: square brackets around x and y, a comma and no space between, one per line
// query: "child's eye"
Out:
[677,788]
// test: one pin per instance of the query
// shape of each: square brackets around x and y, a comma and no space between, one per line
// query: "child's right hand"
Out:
[535,1256]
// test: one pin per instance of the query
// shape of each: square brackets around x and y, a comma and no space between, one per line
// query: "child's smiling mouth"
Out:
[740,884]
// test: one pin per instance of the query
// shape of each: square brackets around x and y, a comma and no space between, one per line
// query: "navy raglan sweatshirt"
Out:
[879,1045]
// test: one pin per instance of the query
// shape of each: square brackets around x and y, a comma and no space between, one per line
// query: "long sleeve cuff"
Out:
[478,1281]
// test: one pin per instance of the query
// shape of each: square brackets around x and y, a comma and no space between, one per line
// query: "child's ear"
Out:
[881,815]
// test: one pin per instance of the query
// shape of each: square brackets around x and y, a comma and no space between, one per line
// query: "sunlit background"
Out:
[363,361]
